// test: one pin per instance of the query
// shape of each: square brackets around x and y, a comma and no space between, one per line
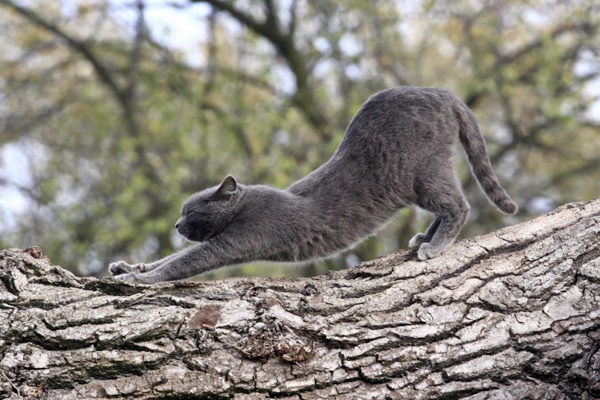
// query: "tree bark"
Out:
[514,314]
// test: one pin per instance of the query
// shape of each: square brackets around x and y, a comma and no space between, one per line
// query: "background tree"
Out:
[115,126]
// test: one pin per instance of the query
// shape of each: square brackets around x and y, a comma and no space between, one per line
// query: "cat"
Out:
[397,150]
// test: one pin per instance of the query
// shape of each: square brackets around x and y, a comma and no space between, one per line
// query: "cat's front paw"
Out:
[427,251]
[127,277]
[145,279]
[121,267]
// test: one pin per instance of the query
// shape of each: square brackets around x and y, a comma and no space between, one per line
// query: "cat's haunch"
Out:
[397,151]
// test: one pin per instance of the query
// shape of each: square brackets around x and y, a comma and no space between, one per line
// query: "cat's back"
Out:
[403,119]
[392,135]
[411,96]
[404,104]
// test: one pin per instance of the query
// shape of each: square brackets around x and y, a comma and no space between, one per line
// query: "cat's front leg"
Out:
[169,271]
[189,262]
[121,267]
[172,267]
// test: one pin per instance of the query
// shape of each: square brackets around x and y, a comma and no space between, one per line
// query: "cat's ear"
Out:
[226,190]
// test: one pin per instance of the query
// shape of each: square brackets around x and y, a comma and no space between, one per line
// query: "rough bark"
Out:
[510,315]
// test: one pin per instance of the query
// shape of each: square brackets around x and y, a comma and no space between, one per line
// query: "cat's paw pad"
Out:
[121,267]
[417,240]
[427,251]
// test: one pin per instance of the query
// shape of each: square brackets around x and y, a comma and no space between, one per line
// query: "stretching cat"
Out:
[397,150]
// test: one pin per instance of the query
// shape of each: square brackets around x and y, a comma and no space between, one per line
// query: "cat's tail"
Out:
[481,167]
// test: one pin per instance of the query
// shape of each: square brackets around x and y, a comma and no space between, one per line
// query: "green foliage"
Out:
[119,128]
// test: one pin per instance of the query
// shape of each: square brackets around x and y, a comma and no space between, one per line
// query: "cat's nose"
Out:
[178,224]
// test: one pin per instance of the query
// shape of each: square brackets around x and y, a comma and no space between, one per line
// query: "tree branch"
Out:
[283,43]
[77,45]
[511,314]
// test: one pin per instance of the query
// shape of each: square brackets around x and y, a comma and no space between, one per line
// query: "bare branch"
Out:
[242,17]
[515,55]
[285,46]
[77,45]
[135,53]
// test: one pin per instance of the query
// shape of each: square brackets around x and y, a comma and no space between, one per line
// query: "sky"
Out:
[14,164]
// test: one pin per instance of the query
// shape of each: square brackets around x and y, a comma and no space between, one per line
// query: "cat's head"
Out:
[207,213]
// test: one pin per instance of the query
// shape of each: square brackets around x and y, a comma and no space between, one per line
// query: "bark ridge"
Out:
[513,314]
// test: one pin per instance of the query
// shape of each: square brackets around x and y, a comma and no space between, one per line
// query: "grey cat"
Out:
[397,150]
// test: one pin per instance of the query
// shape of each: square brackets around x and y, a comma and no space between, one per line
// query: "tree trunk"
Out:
[510,315]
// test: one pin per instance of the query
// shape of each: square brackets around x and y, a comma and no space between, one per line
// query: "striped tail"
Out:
[481,167]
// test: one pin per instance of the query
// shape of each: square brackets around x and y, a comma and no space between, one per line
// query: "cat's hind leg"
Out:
[444,198]
[426,237]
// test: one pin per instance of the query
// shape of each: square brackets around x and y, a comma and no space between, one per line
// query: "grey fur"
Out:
[397,150]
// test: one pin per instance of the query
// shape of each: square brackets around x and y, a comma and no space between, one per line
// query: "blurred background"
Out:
[113,112]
